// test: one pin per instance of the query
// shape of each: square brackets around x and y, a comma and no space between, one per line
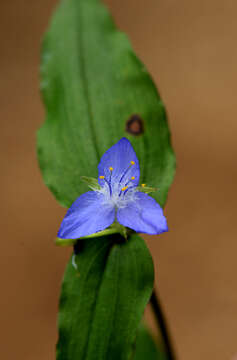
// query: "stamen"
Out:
[111,169]
[143,185]
[129,188]
[109,185]
[125,172]
[126,187]
[107,182]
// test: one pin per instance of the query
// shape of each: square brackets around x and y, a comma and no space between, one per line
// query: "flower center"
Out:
[118,188]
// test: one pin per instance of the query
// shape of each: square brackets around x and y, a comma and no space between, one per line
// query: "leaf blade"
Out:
[92,86]
[146,348]
[102,324]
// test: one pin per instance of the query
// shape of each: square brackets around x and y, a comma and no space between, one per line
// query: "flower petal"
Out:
[122,158]
[143,215]
[87,215]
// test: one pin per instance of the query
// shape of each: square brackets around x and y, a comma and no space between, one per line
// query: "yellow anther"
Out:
[133,177]
[132,162]
[102,177]
[124,188]
[143,185]
[110,168]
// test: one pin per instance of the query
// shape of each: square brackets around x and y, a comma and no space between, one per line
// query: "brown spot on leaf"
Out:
[134,125]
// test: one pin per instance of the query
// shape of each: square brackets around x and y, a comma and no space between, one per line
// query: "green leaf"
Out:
[102,302]
[146,348]
[96,91]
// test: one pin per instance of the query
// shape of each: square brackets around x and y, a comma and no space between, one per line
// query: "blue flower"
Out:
[116,200]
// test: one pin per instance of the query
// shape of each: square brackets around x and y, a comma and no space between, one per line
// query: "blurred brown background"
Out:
[190,49]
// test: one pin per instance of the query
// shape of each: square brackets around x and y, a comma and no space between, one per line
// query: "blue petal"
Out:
[143,215]
[119,157]
[87,215]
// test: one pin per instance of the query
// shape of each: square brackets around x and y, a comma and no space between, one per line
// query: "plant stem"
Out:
[113,230]
[160,319]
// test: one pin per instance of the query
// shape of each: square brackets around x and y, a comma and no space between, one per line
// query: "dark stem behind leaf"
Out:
[161,322]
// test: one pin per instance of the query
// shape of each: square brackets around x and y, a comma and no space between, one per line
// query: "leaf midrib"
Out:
[82,65]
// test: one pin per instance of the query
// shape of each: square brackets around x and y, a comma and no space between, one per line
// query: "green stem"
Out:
[160,319]
[68,242]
